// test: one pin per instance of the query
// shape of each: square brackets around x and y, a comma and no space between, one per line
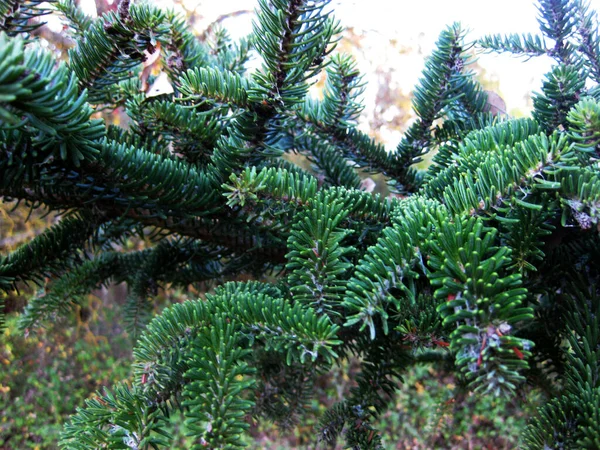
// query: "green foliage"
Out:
[444,90]
[45,103]
[113,46]
[293,38]
[488,267]
[317,260]
[15,16]
[76,18]
[583,125]
[49,253]
[218,376]
[121,419]
[45,376]
[560,91]
[571,419]
[482,302]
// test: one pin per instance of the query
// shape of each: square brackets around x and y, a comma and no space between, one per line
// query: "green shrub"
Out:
[46,376]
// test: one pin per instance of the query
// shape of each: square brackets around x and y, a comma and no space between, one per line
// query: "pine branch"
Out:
[584,127]
[45,101]
[284,392]
[113,47]
[181,50]
[442,84]
[508,173]
[192,134]
[218,376]
[580,192]
[335,168]
[489,265]
[588,37]
[48,253]
[293,44]
[527,45]
[214,86]
[77,19]
[17,16]
[388,270]
[108,422]
[231,234]
[560,92]
[557,21]
[69,290]
[448,161]
[339,109]
[484,302]
[571,419]
[163,263]
[353,145]
[317,258]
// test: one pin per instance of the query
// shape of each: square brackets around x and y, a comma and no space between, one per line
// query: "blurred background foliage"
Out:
[44,377]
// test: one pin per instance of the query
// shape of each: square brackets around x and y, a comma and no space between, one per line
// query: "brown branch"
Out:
[61,41]
[219,229]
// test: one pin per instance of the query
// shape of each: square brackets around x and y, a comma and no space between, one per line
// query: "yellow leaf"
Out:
[420,388]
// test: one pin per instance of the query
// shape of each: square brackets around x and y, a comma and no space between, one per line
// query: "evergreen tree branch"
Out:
[45,102]
[442,84]
[113,47]
[16,16]
[48,253]
[76,18]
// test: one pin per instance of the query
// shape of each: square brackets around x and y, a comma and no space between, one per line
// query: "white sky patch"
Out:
[88,7]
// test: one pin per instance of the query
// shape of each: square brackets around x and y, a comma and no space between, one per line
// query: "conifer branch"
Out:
[489,265]
[48,253]
[17,16]
[78,20]
[443,82]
